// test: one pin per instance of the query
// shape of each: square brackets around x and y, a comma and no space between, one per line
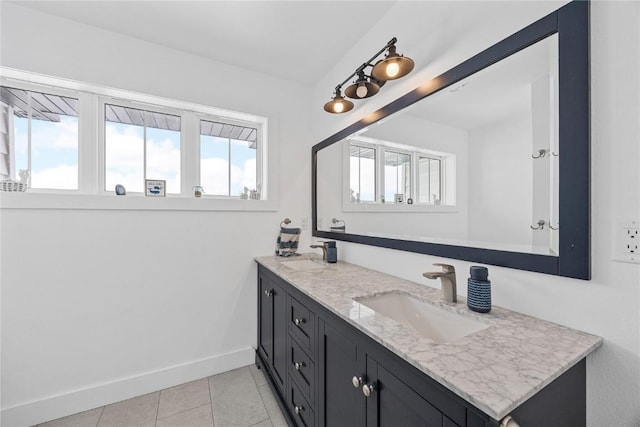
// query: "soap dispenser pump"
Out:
[479,289]
[332,251]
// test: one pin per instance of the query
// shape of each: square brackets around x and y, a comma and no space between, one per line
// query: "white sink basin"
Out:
[427,319]
[304,265]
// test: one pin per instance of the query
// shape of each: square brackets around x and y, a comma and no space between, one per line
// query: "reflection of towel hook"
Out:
[551,227]
[540,226]
[286,221]
[541,153]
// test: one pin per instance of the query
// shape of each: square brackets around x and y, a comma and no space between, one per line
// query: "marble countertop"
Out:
[495,369]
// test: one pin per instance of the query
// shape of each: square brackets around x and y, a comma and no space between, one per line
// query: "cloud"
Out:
[125,159]
[59,177]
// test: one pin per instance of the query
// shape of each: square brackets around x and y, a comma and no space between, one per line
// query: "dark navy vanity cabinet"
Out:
[327,373]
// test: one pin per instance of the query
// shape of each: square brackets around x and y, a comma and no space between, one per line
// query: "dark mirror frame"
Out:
[571,23]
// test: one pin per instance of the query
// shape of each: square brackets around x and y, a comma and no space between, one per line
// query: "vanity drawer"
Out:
[303,414]
[302,324]
[302,369]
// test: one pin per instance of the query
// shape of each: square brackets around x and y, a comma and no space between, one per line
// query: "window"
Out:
[139,145]
[429,189]
[362,170]
[402,172]
[39,133]
[91,140]
[228,159]
[397,176]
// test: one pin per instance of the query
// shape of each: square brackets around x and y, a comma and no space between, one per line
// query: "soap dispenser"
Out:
[332,251]
[479,289]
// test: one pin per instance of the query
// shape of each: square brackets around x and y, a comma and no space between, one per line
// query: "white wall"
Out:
[609,304]
[98,305]
[500,209]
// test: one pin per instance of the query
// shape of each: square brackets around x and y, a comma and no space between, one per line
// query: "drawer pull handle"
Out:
[298,409]
[268,293]
[367,389]
[356,381]
[298,322]
[298,365]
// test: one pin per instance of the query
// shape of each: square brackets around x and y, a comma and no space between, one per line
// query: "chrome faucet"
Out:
[448,278]
[323,246]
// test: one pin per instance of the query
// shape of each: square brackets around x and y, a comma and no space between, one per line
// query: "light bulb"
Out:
[338,107]
[362,90]
[392,69]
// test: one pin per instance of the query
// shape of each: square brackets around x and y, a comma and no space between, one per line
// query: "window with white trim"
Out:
[402,172]
[229,159]
[362,173]
[92,139]
[141,144]
[397,176]
[39,144]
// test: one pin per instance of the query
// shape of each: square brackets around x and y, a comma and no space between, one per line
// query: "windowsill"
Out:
[9,200]
[402,207]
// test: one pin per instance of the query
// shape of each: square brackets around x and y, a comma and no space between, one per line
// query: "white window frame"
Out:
[376,183]
[259,150]
[102,155]
[447,160]
[82,125]
[91,193]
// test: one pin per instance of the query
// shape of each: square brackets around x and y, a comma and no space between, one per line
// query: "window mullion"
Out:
[190,152]
[88,151]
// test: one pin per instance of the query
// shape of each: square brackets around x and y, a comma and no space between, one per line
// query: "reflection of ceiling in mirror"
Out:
[491,95]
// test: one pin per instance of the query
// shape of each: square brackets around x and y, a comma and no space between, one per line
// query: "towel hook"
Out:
[286,221]
[541,153]
[540,226]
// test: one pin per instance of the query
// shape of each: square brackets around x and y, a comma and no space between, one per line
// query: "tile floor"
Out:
[238,398]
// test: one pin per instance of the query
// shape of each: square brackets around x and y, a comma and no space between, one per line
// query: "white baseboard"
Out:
[72,402]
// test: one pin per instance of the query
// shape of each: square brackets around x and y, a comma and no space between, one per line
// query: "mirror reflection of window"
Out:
[397,177]
[429,188]
[362,169]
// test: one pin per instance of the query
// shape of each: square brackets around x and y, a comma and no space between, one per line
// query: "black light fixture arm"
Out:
[368,63]
[391,67]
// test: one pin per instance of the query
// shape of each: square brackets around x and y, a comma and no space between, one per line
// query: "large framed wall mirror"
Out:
[488,162]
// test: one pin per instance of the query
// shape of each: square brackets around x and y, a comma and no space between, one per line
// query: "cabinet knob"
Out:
[298,365]
[268,292]
[356,381]
[508,421]
[367,389]
[298,322]
[298,409]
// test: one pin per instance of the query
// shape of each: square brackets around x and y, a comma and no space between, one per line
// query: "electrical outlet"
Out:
[627,241]
[631,239]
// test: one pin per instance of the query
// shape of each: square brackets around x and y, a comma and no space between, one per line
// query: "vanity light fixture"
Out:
[392,67]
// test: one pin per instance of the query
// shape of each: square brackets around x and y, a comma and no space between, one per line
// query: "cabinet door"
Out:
[392,403]
[339,402]
[273,328]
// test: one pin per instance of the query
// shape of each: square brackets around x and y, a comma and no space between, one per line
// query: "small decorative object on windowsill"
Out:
[198,191]
[255,194]
[245,194]
[399,198]
[120,190]
[155,187]
[409,201]
[12,186]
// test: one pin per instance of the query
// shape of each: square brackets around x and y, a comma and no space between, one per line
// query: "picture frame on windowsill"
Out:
[155,188]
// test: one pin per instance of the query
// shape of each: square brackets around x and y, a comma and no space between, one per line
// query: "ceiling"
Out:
[293,40]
